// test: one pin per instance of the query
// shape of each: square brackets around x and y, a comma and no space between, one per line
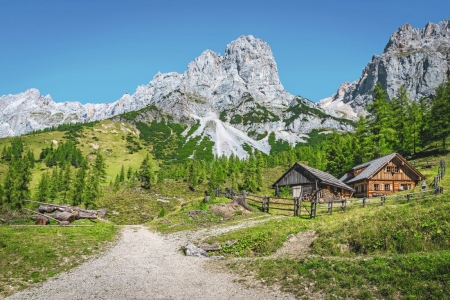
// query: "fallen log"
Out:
[42,220]
[43,215]
[78,212]
[65,216]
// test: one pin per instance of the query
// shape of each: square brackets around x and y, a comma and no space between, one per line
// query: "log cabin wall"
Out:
[296,176]
[393,177]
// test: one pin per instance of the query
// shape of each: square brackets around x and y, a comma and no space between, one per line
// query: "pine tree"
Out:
[92,191]
[122,174]
[100,166]
[66,180]
[439,122]
[43,188]
[78,186]
[146,175]
[129,173]
[380,121]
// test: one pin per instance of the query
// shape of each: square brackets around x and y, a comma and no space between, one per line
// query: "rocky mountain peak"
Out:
[431,37]
[235,100]
[417,58]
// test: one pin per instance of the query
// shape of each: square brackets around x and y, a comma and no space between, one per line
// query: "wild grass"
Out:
[30,254]
[396,251]
[194,214]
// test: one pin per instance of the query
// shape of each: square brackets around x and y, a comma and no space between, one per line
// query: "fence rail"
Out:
[312,209]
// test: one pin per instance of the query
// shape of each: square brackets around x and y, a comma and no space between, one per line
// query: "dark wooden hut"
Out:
[314,184]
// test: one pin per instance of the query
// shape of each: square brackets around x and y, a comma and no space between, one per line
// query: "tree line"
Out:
[398,124]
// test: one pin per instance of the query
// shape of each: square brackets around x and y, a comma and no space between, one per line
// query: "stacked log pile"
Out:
[64,214]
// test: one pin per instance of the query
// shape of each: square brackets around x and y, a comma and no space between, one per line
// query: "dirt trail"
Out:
[145,265]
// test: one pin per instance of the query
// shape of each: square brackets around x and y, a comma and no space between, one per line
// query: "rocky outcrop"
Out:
[419,59]
[236,98]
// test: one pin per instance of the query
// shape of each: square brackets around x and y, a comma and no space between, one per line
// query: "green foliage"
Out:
[146,173]
[277,145]
[258,240]
[400,276]
[303,109]
[439,116]
[423,226]
[29,254]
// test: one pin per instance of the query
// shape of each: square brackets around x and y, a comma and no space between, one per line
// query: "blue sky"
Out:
[95,51]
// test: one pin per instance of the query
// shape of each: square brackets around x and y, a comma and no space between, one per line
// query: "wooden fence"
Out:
[301,208]
[296,205]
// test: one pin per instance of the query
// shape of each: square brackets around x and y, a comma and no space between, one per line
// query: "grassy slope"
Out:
[108,136]
[394,251]
[32,254]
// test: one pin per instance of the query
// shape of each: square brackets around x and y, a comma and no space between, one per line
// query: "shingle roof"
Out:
[371,168]
[326,178]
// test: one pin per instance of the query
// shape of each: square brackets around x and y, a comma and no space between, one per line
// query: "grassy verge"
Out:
[259,240]
[198,214]
[32,254]
[413,276]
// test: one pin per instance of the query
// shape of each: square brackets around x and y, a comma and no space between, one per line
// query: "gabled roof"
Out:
[322,176]
[374,166]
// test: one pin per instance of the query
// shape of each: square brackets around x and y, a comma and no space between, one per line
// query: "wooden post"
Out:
[344,205]
[267,204]
[330,207]
[364,202]
[264,203]
[313,209]
[217,191]
[296,206]
[383,200]
[408,197]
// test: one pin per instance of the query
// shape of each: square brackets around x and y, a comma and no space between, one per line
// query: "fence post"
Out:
[364,202]
[408,197]
[217,191]
[383,200]
[330,207]
[313,209]
[295,207]
[267,204]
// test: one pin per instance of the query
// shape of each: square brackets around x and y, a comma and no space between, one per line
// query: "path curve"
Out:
[145,265]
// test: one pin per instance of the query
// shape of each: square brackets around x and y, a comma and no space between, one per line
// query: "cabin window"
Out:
[405,186]
[396,169]
[387,187]
[388,169]
[376,187]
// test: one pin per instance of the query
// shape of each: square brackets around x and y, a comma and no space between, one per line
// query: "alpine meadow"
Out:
[198,159]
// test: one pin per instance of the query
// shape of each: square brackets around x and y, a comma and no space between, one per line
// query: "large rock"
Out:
[419,59]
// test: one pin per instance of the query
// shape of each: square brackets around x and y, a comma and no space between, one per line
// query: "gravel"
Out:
[146,265]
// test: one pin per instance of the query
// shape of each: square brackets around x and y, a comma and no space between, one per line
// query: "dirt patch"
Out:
[228,210]
[296,244]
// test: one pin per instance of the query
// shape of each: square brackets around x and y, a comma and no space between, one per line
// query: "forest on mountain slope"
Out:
[65,170]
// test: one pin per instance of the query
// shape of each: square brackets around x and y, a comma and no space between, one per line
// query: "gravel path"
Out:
[145,265]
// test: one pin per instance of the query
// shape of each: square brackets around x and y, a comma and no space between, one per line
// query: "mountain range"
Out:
[237,100]
[417,58]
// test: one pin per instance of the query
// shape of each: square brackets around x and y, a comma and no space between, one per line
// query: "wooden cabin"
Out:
[312,184]
[383,176]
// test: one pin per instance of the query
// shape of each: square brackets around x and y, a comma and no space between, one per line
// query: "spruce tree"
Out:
[146,175]
[439,121]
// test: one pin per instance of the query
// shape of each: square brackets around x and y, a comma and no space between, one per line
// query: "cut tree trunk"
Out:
[241,202]
[65,216]
[42,220]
